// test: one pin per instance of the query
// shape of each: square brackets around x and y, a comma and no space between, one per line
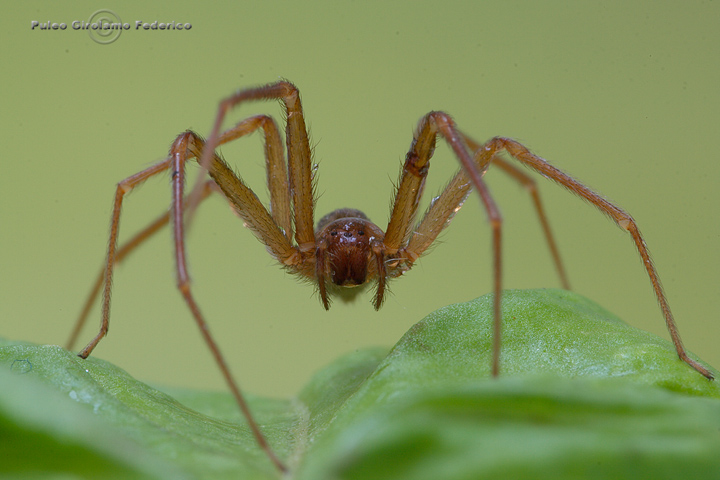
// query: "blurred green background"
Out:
[623,95]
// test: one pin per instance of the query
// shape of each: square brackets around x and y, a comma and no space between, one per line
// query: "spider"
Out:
[345,249]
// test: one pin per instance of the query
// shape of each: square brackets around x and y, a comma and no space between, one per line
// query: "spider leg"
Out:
[183,283]
[246,205]
[455,193]
[618,215]
[299,155]
[122,189]
[243,200]
[277,176]
[398,242]
[529,184]
[126,249]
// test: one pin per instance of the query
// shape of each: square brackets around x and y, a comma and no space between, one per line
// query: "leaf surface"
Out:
[581,395]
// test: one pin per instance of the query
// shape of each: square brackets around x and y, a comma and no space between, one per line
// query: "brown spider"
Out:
[345,249]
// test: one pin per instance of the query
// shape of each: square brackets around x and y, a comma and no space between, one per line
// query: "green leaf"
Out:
[581,395]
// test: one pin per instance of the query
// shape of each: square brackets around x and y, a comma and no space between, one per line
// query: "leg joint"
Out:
[411,165]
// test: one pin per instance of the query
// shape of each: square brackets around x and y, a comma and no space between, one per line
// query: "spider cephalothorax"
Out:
[350,253]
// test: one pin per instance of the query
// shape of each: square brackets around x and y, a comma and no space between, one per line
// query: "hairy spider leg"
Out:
[408,245]
[530,185]
[618,215]
[244,202]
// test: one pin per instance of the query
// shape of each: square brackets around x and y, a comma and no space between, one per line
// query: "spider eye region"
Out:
[349,250]
[348,253]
